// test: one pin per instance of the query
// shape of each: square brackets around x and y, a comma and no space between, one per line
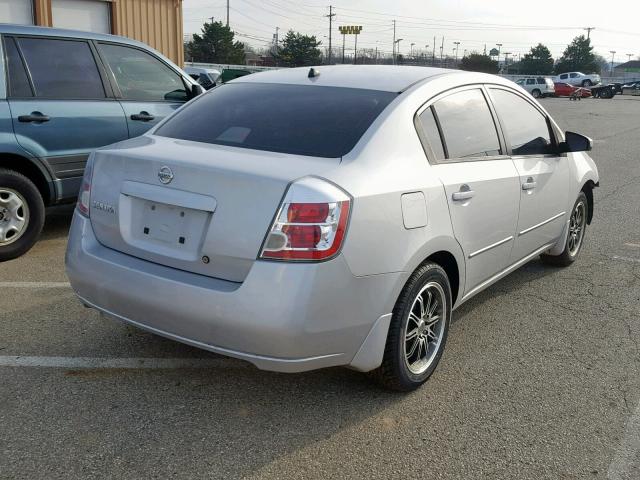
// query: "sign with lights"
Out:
[350,29]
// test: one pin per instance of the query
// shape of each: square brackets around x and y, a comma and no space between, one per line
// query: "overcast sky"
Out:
[517,24]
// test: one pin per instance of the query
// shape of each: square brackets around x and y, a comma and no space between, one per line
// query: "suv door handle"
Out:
[142,116]
[35,117]
[465,193]
[530,184]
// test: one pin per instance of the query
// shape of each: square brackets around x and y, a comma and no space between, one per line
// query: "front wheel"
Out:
[587,83]
[418,330]
[575,236]
[21,214]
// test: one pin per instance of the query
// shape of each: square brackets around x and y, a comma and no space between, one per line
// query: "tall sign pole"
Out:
[350,30]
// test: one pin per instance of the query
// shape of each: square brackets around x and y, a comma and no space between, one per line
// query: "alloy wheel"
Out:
[576,228]
[425,328]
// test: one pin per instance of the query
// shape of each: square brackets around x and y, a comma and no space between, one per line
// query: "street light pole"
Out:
[499,45]
[457,44]
[411,54]
[613,54]
[397,49]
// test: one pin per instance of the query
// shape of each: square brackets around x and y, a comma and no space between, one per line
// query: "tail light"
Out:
[84,198]
[311,222]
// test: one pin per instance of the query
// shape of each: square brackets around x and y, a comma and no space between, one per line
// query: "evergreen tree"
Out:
[299,50]
[477,62]
[537,62]
[215,45]
[578,57]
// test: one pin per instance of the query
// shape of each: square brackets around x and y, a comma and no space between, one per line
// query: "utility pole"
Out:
[441,50]
[344,36]
[355,50]
[275,50]
[588,29]
[393,52]
[227,13]
[457,44]
[433,53]
[331,15]
[613,54]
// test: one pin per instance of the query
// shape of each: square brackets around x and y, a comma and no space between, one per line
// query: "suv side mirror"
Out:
[574,142]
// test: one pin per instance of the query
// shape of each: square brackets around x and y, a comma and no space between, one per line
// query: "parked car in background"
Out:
[631,88]
[565,90]
[67,93]
[537,86]
[301,219]
[578,79]
[206,77]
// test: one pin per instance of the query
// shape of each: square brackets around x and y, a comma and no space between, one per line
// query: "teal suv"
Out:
[63,94]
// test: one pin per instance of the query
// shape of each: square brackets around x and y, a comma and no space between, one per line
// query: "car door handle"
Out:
[530,184]
[465,193]
[35,117]
[142,117]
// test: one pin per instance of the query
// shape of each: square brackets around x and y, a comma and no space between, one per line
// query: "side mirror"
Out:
[574,142]
[196,90]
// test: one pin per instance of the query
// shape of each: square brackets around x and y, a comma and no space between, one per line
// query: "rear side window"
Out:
[62,69]
[564,76]
[467,125]
[526,128]
[141,76]
[540,81]
[18,81]
[531,81]
[296,119]
[430,129]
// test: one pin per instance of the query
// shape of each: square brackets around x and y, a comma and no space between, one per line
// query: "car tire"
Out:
[536,93]
[587,83]
[575,237]
[21,214]
[418,330]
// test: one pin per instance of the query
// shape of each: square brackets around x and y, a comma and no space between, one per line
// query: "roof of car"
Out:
[372,77]
[8,28]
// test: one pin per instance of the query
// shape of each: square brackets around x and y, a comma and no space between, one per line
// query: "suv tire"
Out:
[21,214]
[419,325]
[587,83]
[536,93]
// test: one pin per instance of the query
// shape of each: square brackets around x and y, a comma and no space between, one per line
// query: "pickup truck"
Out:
[578,79]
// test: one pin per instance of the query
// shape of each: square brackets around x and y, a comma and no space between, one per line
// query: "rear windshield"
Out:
[298,119]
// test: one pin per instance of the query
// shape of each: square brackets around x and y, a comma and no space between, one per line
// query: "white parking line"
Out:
[119,363]
[627,259]
[626,463]
[35,285]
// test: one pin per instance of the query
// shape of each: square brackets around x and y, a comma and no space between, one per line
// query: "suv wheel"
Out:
[575,237]
[418,330]
[587,83]
[536,93]
[21,214]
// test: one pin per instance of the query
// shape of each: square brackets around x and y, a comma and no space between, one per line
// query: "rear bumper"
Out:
[283,317]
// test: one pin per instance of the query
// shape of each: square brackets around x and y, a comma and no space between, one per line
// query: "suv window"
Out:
[297,119]
[141,76]
[430,129]
[17,75]
[573,75]
[540,80]
[467,125]
[62,69]
[531,81]
[526,128]
[564,76]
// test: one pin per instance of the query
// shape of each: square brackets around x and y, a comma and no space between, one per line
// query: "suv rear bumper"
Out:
[284,317]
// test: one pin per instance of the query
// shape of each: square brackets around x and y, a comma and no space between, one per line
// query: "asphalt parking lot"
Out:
[540,378]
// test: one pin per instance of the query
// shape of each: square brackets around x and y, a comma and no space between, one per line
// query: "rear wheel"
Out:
[21,214]
[587,83]
[536,93]
[575,236]
[418,330]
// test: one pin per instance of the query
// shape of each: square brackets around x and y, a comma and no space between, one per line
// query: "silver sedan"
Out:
[308,218]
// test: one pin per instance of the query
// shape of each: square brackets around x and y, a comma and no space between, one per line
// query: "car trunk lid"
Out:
[192,206]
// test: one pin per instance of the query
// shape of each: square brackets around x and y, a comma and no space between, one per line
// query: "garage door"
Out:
[16,11]
[87,15]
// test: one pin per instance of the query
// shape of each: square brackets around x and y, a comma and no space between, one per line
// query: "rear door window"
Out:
[431,131]
[298,119]
[525,126]
[19,85]
[531,81]
[540,81]
[564,76]
[141,76]
[62,69]
[467,125]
